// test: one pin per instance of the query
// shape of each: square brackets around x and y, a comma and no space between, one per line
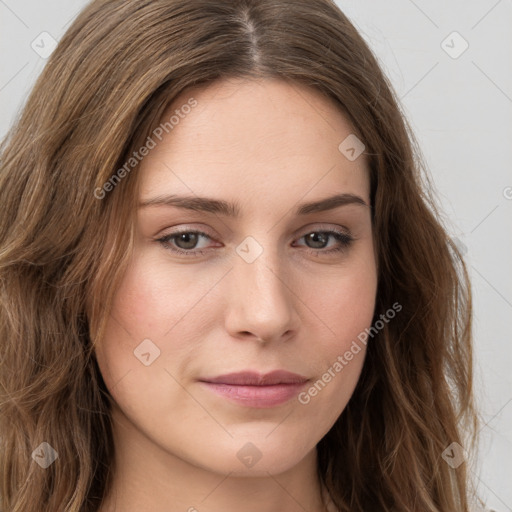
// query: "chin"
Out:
[256,453]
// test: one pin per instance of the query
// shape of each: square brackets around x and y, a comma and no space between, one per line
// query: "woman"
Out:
[225,284]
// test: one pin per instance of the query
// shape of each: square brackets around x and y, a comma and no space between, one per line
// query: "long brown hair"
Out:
[63,250]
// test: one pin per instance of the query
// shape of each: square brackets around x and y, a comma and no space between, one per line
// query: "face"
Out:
[266,276]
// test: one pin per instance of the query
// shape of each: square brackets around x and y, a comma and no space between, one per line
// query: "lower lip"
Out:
[256,396]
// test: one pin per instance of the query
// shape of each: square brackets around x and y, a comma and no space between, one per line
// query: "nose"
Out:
[261,300]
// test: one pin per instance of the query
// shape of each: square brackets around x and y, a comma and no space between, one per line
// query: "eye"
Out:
[185,242]
[318,240]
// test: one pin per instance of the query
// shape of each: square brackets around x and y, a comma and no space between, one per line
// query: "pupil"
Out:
[314,238]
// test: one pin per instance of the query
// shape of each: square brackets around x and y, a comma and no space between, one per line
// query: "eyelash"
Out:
[344,239]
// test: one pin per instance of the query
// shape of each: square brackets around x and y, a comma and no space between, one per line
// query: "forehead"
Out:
[263,137]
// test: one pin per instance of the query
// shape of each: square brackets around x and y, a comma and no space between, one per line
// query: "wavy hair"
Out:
[63,250]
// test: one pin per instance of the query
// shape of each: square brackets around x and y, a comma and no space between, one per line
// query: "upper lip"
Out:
[254,378]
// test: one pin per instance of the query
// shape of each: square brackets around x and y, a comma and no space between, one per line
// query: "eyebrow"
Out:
[218,206]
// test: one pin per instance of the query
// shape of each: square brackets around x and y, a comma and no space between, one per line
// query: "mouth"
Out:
[253,389]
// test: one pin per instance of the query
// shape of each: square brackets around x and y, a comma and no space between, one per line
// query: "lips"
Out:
[253,389]
[251,378]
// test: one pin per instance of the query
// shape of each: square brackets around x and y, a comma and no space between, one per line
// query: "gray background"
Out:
[460,107]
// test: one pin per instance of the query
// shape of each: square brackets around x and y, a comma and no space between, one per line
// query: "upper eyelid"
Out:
[304,231]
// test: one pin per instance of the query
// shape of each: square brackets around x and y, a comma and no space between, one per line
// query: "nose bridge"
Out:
[261,301]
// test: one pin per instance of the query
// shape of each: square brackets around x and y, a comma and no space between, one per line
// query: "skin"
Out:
[268,146]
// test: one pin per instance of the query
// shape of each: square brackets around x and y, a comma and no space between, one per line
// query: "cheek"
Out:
[345,306]
[344,300]
[143,300]
[137,316]
[142,335]
[157,309]
[154,298]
